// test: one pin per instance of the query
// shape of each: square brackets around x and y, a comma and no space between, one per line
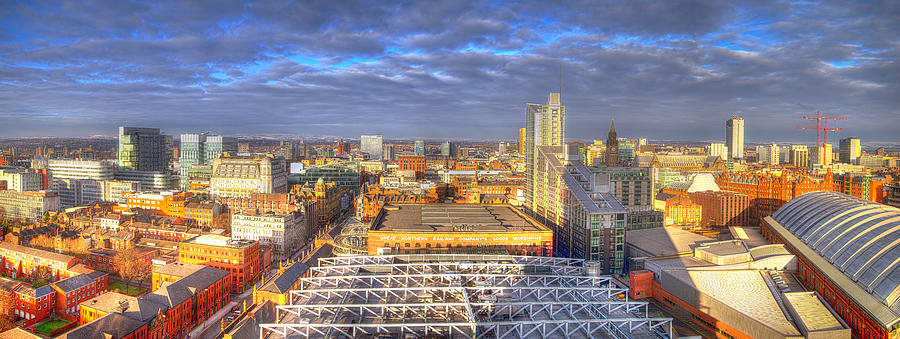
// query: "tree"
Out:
[131,266]
[223,221]
[8,313]
[40,276]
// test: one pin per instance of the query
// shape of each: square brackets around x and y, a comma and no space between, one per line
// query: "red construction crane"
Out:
[821,126]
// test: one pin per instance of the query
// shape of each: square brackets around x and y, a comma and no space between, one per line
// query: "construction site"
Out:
[461,296]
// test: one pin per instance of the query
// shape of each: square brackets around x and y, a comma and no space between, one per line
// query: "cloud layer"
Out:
[448,69]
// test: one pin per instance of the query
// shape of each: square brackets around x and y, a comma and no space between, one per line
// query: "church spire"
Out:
[612,126]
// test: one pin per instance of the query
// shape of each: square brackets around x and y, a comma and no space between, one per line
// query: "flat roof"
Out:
[750,235]
[744,291]
[665,241]
[813,315]
[453,218]
[727,247]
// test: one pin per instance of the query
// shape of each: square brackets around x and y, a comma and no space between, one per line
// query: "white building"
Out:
[79,181]
[21,180]
[284,232]
[799,156]
[769,154]
[734,137]
[371,145]
[717,149]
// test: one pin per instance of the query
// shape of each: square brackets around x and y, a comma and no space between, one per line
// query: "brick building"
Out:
[244,260]
[722,208]
[769,191]
[414,163]
[170,311]
[681,211]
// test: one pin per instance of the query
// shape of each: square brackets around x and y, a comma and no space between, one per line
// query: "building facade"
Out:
[734,137]
[202,149]
[371,145]
[241,258]
[143,149]
[284,233]
[241,176]
[28,205]
[849,151]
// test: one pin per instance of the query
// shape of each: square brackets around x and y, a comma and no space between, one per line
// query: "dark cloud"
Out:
[447,69]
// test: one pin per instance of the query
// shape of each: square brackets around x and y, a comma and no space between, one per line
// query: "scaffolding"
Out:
[461,296]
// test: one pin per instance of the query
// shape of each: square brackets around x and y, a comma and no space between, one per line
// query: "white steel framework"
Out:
[461,296]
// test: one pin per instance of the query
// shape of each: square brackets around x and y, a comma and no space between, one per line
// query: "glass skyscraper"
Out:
[371,145]
[143,149]
[419,147]
[202,149]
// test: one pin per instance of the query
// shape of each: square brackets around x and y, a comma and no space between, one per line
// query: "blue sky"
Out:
[448,69]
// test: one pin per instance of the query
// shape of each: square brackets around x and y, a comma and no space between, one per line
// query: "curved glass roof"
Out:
[858,237]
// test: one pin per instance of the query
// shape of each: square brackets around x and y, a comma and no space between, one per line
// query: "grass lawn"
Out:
[46,327]
[126,289]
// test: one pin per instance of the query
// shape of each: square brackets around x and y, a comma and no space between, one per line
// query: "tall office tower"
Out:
[612,146]
[642,142]
[243,147]
[388,154]
[343,147]
[143,149]
[822,155]
[545,126]
[850,151]
[799,156]
[784,155]
[587,221]
[717,149]
[734,137]
[772,154]
[371,145]
[303,149]
[419,147]
[501,148]
[449,149]
[202,149]
[521,144]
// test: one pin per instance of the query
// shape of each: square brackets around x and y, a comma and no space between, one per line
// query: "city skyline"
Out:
[448,71]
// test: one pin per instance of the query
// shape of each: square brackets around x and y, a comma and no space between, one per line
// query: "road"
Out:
[211,327]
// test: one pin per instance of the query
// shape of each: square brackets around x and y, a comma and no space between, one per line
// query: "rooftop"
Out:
[178,269]
[665,241]
[544,298]
[453,218]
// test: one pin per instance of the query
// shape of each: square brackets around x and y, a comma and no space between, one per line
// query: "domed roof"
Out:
[860,238]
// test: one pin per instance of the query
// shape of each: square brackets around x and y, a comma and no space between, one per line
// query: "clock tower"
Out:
[612,146]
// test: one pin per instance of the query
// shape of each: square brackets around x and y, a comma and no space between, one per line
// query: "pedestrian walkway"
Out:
[216,318]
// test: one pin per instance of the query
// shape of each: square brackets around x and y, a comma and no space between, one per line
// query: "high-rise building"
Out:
[587,221]
[419,147]
[799,156]
[768,154]
[626,152]
[734,137]
[143,149]
[717,149]
[388,153]
[449,149]
[501,148]
[371,145]
[545,126]
[850,151]
[202,149]
[521,144]
[823,155]
[612,146]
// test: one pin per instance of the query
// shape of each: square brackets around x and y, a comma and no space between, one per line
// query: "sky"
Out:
[664,70]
